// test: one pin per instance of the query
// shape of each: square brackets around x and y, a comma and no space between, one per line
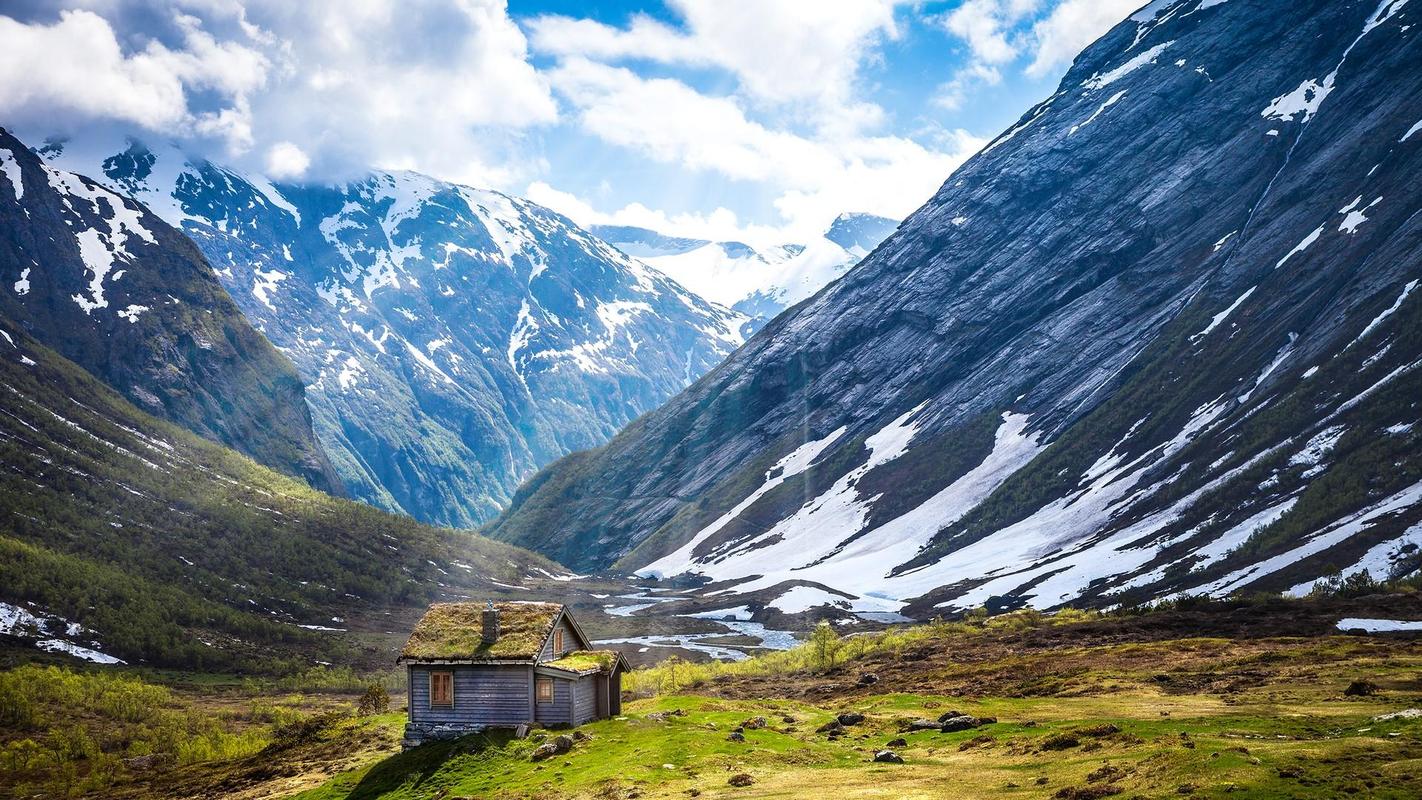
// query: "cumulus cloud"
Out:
[86,74]
[438,85]
[816,177]
[1072,25]
[778,53]
[286,161]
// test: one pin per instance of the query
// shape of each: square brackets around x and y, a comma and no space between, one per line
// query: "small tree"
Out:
[375,701]
[824,646]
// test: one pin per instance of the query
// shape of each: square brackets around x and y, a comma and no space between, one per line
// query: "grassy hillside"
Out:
[175,551]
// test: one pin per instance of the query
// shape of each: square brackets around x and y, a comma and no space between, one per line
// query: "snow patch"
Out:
[1301,246]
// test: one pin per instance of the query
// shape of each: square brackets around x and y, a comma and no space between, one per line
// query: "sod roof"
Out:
[584,661]
[454,632]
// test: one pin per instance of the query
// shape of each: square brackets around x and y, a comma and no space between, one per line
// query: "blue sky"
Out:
[752,119]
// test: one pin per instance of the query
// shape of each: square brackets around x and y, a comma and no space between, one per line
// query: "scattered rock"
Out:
[947,715]
[850,718]
[735,736]
[922,725]
[558,746]
[581,737]
[832,726]
[1185,788]
[959,723]
[741,779]
[899,742]
[754,724]
[868,678]
[888,757]
[787,719]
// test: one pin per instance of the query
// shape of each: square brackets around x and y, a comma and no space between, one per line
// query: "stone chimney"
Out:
[491,623]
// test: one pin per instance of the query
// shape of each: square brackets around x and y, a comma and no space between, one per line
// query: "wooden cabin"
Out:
[474,666]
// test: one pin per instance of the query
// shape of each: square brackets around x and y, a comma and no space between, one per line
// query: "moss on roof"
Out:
[586,661]
[454,631]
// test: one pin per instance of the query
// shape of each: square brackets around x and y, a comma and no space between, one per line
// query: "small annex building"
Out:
[473,666]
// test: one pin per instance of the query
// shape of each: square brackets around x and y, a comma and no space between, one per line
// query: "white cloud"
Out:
[286,161]
[986,27]
[439,85]
[778,53]
[814,178]
[1071,26]
[76,67]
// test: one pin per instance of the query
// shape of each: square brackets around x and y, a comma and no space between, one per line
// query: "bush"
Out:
[375,701]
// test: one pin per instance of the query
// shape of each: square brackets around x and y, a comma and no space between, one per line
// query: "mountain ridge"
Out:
[1056,381]
[453,338]
[112,287]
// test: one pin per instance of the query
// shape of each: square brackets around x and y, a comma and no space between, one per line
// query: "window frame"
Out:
[558,641]
[438,676]
[538,686]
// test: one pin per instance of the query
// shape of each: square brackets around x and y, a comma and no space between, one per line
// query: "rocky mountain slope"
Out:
[453,339]
[1163,335]
[100,279]
[125,537]
[759,283]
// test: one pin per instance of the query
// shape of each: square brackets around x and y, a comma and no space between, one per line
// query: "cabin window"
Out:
[558,642]
[441,689]
[543,690]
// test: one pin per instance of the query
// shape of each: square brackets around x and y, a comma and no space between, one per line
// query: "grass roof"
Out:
[586,661]
[454,631]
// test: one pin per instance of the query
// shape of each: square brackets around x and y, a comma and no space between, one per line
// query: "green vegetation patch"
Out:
[586,661]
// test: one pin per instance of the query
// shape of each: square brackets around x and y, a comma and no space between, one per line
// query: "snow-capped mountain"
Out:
[759,283]
[1163,335]
[453,339]
[95,276]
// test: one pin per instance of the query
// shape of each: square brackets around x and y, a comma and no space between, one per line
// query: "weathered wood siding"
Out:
[483,695]
[615,694]
[584,699]
[570,642]
[560,711]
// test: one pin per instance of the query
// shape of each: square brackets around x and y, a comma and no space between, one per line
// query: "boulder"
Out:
[899,742]
[888,757]
[754,723]
[868,679]
[923,725]
[833,726]
[741,779]
[735,736]
[555,747]
[850,718]
[961,723]
[947,715]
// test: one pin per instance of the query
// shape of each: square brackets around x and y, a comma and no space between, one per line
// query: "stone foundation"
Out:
[418,733]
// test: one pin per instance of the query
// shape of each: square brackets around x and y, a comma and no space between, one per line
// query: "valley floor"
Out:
[1085,706]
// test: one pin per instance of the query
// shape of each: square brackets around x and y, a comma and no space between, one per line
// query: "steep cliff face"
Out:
[453,339]
[100,279]
[1162,335]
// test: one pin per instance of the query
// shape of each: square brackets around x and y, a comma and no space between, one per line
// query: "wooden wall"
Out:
[560,710]
[570,642]
[483,695]
[584,699]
